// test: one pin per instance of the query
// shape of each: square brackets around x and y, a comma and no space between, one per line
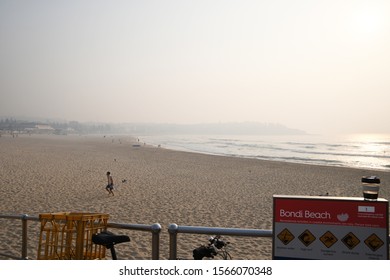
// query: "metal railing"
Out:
[155,229]
[174,229]
[24,218]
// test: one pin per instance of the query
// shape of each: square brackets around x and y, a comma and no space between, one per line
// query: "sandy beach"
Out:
[50,173]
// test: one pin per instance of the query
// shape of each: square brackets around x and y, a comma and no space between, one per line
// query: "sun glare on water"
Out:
[373,143]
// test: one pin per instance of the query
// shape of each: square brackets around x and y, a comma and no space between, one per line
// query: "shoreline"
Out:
[133,139]
[67,174]
[373,170]
[351,151]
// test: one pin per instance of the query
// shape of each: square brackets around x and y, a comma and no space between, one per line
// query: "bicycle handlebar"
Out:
[211,250]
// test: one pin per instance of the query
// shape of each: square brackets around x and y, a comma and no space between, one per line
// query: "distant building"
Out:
[44,128]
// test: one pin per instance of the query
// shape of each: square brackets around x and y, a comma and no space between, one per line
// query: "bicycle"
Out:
[215,247]
[109,240]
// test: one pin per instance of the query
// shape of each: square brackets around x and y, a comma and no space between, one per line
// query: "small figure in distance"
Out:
[110,183]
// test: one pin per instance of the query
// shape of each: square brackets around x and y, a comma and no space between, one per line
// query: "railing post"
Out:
[172,229]
[24,236]
[156,229]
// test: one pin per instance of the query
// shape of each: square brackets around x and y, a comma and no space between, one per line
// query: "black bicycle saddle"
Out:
[108,239]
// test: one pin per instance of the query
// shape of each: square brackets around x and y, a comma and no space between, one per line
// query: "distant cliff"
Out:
[64,127]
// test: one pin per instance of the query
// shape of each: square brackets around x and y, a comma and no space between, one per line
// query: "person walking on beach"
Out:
[110,183]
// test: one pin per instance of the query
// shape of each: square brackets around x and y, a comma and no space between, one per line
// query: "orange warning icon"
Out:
[350,240]
[285,236]
[328,239]
[307,238]
[374,242]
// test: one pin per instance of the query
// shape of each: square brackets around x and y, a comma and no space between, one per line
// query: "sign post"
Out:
[330,228]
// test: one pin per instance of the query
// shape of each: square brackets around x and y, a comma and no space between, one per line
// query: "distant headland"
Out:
[12,125]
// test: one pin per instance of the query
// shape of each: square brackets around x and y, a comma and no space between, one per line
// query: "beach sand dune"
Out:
[49,173]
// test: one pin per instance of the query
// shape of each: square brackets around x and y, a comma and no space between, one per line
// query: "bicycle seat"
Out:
[108,239]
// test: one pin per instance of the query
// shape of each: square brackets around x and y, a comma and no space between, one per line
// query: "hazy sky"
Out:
[320,66]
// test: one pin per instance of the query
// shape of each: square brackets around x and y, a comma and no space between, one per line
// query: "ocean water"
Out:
[366,151]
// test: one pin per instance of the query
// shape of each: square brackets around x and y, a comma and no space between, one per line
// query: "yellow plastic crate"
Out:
[68,236]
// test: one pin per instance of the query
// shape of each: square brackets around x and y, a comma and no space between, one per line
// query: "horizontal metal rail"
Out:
[24,218]
[155,229]
[174,229]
